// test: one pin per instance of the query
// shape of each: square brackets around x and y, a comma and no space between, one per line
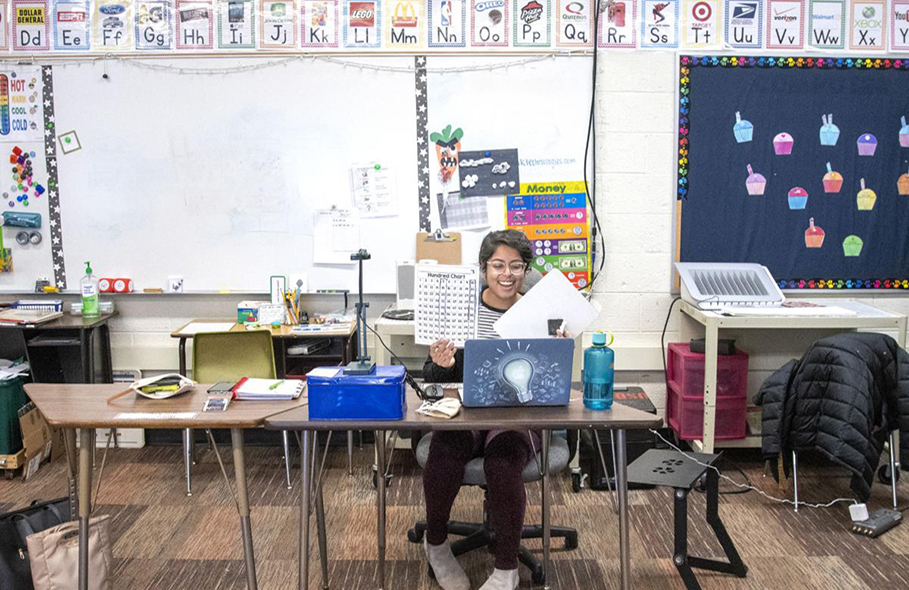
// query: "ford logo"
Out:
[111,9]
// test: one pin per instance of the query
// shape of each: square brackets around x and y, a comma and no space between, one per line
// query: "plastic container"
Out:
[336,396]
[685,372]
[685,415]
[89,289]
[599,374]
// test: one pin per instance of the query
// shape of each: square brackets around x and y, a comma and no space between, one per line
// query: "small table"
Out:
[544,419]
[86,407]
[65,332]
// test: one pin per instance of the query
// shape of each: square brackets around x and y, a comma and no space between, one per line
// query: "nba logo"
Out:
[446,13]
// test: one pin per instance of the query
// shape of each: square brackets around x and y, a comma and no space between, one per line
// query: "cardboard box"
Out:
[36,438]
[248,311]
[12,461]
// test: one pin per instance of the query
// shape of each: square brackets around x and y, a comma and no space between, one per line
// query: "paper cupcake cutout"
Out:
[904,133]
[755,183]
[782,144]
[814,236]
[867,144]
[798,198]
[743,130]
[902,185]
[833,181]
[852,246]
[866,198]
[830,133]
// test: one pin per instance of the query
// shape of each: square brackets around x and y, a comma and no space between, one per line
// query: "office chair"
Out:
[478,535]
[230,356]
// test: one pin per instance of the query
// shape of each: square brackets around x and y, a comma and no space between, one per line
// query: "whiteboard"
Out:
[216,178]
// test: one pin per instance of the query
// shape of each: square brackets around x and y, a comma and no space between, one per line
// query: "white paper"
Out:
[554,297]
[373,188]
[345,231]
[326,372]
[198,327]
[323,242]
[447,299]
[155,416]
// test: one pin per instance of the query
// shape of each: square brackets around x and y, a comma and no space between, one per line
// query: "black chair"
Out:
[480,534]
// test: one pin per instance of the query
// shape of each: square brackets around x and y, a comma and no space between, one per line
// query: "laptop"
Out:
[517,372]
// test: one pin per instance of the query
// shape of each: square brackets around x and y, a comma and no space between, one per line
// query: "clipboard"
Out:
[444,248]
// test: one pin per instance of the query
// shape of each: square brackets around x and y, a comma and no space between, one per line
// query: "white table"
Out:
[696,323]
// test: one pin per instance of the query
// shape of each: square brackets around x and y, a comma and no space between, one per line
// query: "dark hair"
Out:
[506,237]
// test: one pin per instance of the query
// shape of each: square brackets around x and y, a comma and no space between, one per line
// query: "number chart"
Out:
[553,216]
[447,300]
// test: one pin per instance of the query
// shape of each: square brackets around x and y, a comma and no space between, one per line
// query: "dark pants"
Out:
[505,454]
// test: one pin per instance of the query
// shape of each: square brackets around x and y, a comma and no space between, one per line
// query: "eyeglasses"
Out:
[517,268]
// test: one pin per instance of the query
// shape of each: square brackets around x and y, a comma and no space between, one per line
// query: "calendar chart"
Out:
[447,301]
[553,216]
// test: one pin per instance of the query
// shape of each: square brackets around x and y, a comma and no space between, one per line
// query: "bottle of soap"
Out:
[89,287]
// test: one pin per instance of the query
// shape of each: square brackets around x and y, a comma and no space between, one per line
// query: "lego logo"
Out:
[361,14]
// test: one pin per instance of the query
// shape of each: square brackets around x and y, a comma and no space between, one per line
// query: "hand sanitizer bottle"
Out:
[89,287]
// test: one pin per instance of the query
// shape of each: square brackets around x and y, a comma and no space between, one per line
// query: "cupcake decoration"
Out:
[866,198]
[867,144]
[814,236]
[830,133]
[782,144]
[755,183]
[833,181]
[902,185]
[852,246]
[904,133]
[743,129]
[798,198]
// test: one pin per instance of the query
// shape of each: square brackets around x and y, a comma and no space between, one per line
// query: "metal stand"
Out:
[363,365]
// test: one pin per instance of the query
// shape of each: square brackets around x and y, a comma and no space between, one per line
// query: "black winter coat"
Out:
[842,399]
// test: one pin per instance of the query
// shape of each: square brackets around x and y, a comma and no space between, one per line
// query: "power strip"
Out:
[881,521]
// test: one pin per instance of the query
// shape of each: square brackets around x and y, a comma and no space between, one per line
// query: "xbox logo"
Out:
[868,11]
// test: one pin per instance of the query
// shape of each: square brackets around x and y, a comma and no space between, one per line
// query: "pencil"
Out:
[118,395]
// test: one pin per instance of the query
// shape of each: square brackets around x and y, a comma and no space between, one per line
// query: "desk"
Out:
[85,407]
[696,323]
[545,419]
[56,337]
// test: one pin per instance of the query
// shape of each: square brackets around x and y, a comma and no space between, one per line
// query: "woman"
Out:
[504,259]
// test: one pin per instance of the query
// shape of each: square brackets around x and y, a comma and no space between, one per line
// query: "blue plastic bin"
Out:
[379,396]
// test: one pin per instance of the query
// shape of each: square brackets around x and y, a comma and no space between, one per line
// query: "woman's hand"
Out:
[442,353]
[560,333]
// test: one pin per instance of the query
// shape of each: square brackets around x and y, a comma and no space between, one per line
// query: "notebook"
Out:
[250,389]
[27,316]
[517,372]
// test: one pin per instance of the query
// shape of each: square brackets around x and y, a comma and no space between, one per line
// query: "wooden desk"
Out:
[698,323]
[62,334]
[574,416]
[85,407]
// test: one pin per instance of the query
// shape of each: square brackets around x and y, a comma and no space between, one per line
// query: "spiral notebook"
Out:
[251,389]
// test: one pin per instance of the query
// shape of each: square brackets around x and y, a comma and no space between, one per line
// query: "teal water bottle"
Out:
[599,374]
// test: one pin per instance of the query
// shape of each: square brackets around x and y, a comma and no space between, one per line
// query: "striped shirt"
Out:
[486,317]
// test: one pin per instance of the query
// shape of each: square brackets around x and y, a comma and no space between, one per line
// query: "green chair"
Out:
[230,356]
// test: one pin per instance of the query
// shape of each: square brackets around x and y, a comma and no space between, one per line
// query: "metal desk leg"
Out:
[546,436]
[85,500]
[320,512]
[711,334]
[285,439]
[188,459]
[183,356]
[107,363]
[72,469]
[380,500]
[350,452]
[621,485]
[236,437]
[305,474]
[87,356]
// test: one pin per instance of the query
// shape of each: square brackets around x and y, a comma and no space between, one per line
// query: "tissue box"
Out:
[248,311]
[336,396]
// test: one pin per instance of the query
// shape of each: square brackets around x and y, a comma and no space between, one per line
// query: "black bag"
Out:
[15,572]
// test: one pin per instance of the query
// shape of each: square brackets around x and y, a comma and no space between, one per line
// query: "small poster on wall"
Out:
[405,25]
[236,24]
[21,121]
[702,24]
[112,23]
[319,19]
[71,26]
[532,24]
[361,24]
[575,24]
[154,25]
[489,23]
[744,24]
[447,23]
[31,27]
[827,24]
[660,23]
[899,23]
[785,24]
[619,25]
[195,24]
[869,25]
[278,24]
[4,25]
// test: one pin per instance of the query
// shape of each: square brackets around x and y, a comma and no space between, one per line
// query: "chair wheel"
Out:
[884,476]
[576,482]
[538,576]
[571,541]
[414,536]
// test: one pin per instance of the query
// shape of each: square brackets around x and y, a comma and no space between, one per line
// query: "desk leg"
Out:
[305,474]
[317,471]
[711,334]
[85,346]
[545,435]
[85,500]
[380,501]
[350,452]
[621,485]
[236,437]
[72,469]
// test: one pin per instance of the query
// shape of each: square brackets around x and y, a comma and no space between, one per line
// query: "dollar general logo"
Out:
[405,15]
[29,15]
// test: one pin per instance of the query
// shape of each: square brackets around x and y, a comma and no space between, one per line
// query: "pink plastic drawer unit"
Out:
[685,415]
[686,372]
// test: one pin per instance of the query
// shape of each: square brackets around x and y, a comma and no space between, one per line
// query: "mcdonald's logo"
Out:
[405,15]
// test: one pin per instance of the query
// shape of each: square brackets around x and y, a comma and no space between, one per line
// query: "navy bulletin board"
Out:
[865,241]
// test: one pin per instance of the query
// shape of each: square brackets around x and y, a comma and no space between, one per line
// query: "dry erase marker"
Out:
[276,385]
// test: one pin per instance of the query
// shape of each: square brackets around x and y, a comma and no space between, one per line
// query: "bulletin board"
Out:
[756,137]
[172,169]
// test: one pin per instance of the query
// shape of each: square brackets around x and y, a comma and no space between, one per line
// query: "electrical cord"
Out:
[592,143]
[407,376]
[663,341]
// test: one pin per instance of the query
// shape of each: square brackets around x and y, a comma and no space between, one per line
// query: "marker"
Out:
[276,385]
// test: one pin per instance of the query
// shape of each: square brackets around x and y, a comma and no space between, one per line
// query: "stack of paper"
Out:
[11,370]
[268,389]
[18,317]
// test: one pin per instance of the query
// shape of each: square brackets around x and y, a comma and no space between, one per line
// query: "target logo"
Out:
[701,11]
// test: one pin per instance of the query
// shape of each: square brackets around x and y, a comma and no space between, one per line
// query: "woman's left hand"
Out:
[560,333]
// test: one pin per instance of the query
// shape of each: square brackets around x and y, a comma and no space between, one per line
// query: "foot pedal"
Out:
[881,521]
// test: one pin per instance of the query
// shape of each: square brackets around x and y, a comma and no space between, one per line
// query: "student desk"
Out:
[85,407]
[49,347]
[575,415]
[697,323]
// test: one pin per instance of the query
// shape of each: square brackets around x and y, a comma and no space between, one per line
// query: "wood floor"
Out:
[165,540]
